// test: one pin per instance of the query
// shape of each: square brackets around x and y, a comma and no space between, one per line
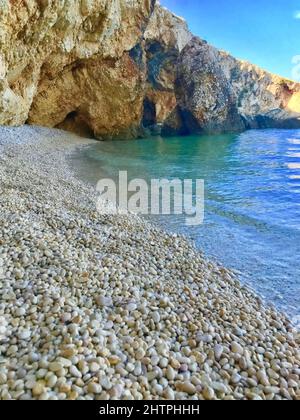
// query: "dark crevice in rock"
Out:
[75,123]
[176,124]
[159,59]
[152,6]
[137,55]
[149,113]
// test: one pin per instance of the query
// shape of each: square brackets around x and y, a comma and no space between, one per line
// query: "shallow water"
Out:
[252,199]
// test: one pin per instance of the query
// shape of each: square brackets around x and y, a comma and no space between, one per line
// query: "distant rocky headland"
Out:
[115,69]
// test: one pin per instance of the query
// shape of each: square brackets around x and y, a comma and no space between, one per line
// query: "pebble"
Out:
[236,348]
[66,317]
[140,354]
[219,387]
[94,367]
[169,394]
[156,317]
[38,389]
[55,367]
[104,301]
[3,378]
[20,312]
[206,338]
[170,374]
[218,351]
[25,335]
[209,394]
[163,363]
[94,388]
[33,357]
[52,380]
[187,387]
[97,307]
[21,373]
[75,372]
[117,391]
[236,378]
[263,378]
[131,307]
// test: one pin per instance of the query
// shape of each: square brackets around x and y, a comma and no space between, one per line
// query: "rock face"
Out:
[165,38]
[111,68]
[206,100]
[68,64]
[217,93]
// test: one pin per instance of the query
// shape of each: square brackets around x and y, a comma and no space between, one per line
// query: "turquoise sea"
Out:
[252,199]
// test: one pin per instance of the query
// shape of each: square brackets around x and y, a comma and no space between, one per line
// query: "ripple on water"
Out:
[252,218]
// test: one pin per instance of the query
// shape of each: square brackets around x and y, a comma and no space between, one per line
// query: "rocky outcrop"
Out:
[165,37]
[98,97]
[217,93]
[111,68]
[100,68]
[68,64]
[205,98]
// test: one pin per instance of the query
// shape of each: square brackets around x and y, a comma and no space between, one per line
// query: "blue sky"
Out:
[265,32]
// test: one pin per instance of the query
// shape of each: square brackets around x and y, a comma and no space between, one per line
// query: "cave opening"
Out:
[75,123]
[149,113]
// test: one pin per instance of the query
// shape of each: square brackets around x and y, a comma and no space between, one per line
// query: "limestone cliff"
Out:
[165,37]
[217,93]
[68,64]
[111,68]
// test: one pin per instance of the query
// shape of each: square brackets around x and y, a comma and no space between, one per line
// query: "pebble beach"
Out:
[96,307]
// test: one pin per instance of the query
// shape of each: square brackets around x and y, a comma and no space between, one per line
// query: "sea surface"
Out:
[252,199]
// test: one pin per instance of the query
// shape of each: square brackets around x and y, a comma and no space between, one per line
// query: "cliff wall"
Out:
[121,69]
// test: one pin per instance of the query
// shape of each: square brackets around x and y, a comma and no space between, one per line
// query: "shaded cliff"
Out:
[217,93]
[165,37]
[112,68]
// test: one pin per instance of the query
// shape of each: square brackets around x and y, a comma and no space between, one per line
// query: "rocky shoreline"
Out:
[98,307]
[119,69]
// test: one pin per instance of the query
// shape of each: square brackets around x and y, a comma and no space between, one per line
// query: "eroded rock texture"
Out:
[217,93]
[165,38]
[111,68]
[68,64]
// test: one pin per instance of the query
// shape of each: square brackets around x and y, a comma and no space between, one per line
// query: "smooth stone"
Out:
[170,374]
[104,301]
[236,378]
[156,317]
[208,393]
[94,388]
[37,390]
[25,335]
[263,378]
[187,387]
[218,351]
[237,348]
[75,372]
[55,367]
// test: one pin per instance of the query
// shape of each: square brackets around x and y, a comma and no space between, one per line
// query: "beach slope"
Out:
[104,307]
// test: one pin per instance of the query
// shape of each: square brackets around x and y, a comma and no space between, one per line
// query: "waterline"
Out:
[158,197]
[252,204]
